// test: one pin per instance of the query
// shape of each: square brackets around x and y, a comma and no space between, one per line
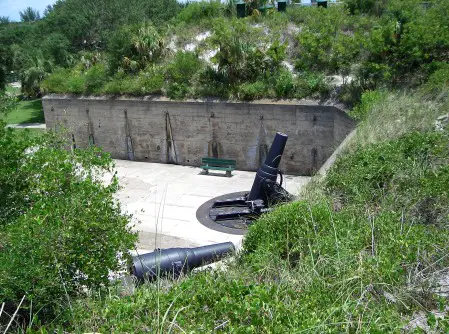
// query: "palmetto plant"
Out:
[148,43]
[32,75]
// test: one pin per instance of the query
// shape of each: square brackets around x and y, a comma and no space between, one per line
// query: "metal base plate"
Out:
[237,226]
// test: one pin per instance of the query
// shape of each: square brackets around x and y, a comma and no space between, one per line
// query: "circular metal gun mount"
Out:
[228,213]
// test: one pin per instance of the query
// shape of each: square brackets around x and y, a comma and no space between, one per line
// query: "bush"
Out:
[132,48]
[95,79]
[197,11]
[311,84]
[151,80]
[368,100]
[209,83]
[251,91]
[57,82]
[438,81]
[284,84]
[179,73]
[61,230]
[328,43]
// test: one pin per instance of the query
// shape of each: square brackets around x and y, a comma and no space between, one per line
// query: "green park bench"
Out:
[218,164]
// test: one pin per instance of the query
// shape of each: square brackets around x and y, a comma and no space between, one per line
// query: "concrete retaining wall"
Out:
[158,130]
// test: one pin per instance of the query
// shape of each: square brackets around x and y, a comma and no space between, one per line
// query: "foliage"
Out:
[148,81]
[4,20]
[95,79]
[374,7]
[368,100]
[311,84]
[63,81]
[251,91]
[284,84]
[58,220]
[326,43]
[197,11]
[398,175]
[7,103]
[402,56]
[132,48]
[179,73]
[438,81]
[89,24]
[29,15]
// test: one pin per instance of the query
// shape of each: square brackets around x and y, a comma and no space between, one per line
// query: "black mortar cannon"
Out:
[269,170]
[172,262]
[264,192]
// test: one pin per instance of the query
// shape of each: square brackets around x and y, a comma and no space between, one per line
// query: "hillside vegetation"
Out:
[363,249]
[202,49]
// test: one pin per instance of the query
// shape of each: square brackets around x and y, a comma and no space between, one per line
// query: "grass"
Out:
[28,111]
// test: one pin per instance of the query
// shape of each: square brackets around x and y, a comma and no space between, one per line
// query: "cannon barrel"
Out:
[172,262]
[269,169]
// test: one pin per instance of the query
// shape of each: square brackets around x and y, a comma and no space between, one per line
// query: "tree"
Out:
[48,10]
[29,15]
[4,20]
[61,230]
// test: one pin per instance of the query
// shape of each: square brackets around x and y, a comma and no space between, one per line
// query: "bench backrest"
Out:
[218,162]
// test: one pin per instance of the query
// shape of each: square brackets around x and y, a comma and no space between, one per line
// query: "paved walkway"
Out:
[27,126]
[163,200]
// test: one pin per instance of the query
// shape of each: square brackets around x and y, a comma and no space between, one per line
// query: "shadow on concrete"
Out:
[222,174]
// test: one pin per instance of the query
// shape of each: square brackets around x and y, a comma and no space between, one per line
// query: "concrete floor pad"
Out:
[163,200]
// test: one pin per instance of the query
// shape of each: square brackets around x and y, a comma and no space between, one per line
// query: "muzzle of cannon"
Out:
[172,262]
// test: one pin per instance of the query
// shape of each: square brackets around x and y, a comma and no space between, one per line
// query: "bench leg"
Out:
[206,171]
[228,173]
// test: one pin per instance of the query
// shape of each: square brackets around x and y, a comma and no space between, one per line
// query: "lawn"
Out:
[28,111]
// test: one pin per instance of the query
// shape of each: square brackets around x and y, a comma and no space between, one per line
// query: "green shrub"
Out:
[209,83]
[327,42]
[119,46]
[311,84]
[438,81]
[197,11]
[408,39]
[368,100]
[251,91]
[62,231]
[284,84]
[76,83]
[366,6]
[151,81]
[65,81]
[95,79]
[180,72]
[57,82]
